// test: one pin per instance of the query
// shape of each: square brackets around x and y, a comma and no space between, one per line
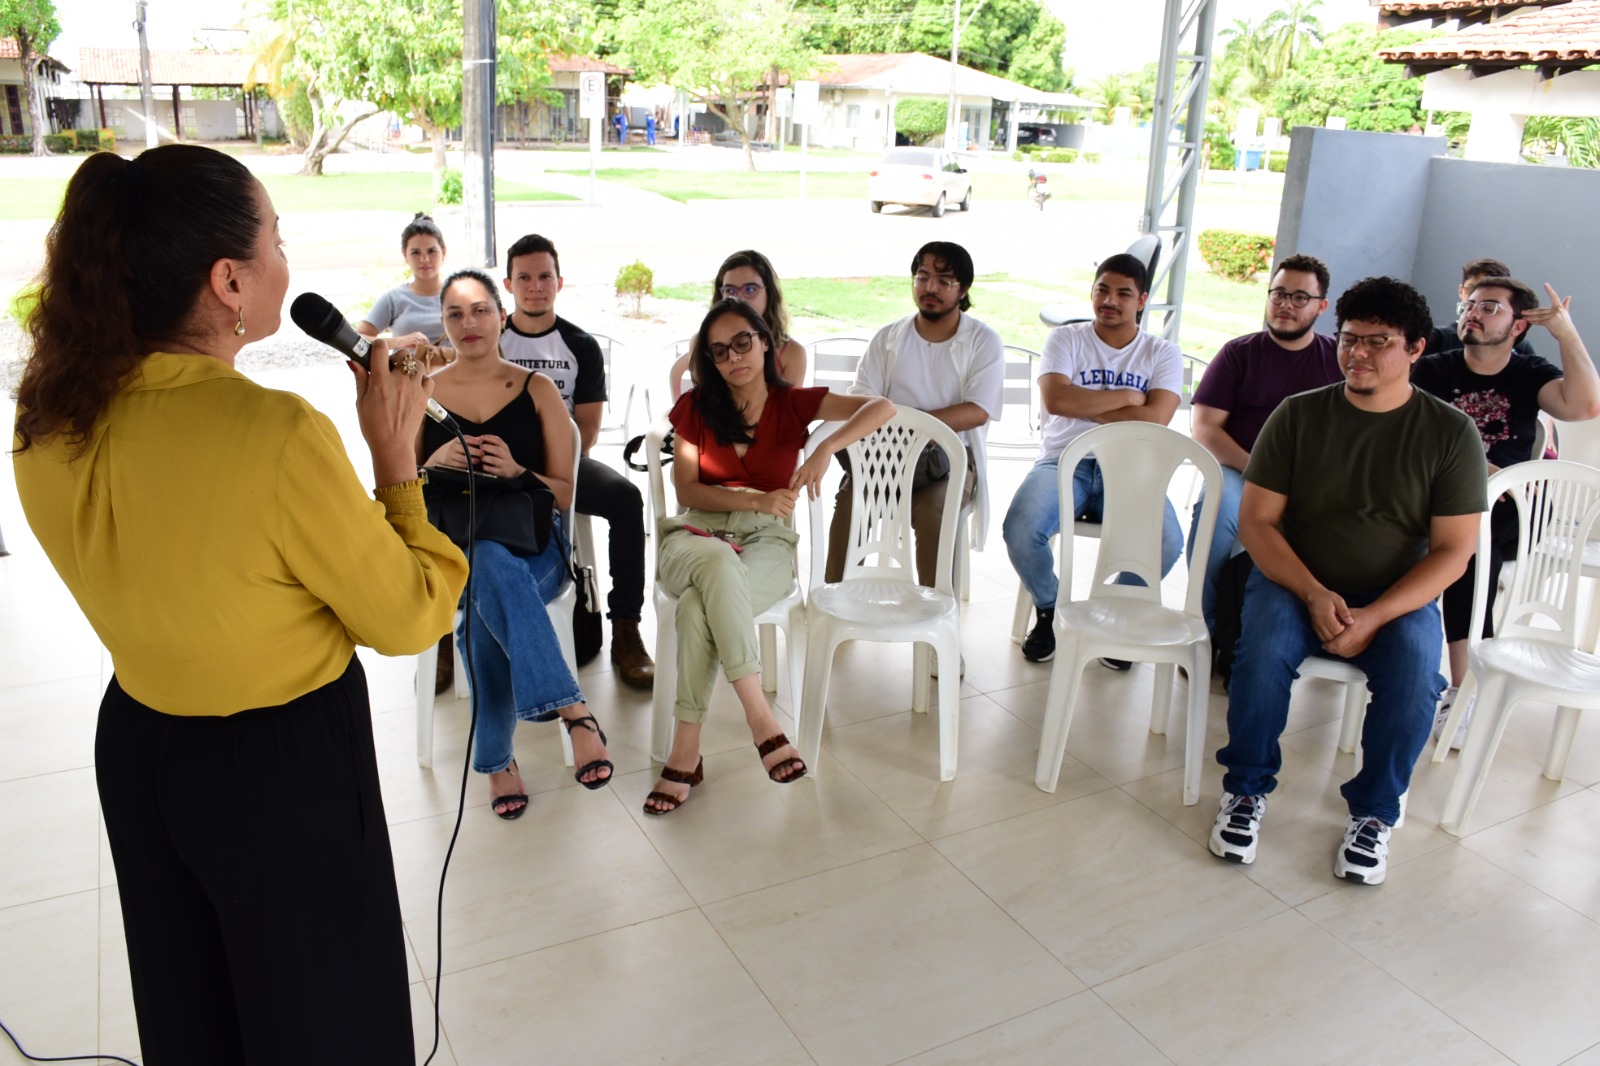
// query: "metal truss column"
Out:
[1177,141]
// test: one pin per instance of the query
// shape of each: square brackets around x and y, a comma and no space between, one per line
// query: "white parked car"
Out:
[919,177]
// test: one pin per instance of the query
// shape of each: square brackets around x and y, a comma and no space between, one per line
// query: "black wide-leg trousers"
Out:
[257,886]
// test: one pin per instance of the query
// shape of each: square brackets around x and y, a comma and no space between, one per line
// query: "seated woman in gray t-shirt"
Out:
[410,312]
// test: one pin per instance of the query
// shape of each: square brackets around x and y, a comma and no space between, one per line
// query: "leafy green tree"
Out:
[1288,33]
[919,120]
[722,52]
[1016,39]
[1346,77]
[1114,91]
[405,56]
[1244,45]
[33,25]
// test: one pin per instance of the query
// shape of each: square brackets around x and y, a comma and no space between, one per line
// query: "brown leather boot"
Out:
[444,673]
[627,652]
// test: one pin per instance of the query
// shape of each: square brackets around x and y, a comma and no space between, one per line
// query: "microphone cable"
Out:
[472,728]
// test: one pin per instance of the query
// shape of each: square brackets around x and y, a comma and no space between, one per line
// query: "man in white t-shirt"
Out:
[940,360]
[1107,370]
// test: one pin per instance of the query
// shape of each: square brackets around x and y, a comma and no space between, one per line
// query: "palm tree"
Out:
[1244,42]
[1288,34]
[1114,91]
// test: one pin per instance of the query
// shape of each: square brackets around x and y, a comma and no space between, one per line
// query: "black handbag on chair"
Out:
[518,513]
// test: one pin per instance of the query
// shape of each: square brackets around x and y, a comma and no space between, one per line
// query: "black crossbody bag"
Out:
[518,513]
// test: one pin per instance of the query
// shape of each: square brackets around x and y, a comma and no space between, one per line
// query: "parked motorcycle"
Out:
[1036,190]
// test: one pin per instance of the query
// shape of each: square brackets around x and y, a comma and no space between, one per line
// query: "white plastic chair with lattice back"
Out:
[1537,652]
[560,610]
[788,614]
[1137,461]
[879,599]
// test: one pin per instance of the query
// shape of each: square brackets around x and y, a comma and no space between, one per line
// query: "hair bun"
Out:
[422,214]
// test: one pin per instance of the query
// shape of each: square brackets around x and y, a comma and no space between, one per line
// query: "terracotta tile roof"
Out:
[1561,35]
[9,50]
[120,66]
[577,64]
[1452,8]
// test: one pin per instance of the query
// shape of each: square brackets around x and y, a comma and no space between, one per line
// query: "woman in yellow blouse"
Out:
[225,552]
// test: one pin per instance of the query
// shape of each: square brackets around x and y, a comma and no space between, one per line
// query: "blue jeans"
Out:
[518,672]
[1402,668]
[1035,516]
[1224,540]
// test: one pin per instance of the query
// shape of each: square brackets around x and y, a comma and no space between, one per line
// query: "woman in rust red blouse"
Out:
[730,555]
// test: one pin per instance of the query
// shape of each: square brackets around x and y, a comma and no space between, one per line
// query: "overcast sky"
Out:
[1103,36]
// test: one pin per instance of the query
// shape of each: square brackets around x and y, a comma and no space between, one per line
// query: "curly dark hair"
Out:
[1308,264]
[777,317]
[125,265]
[712,397]
[1389,301]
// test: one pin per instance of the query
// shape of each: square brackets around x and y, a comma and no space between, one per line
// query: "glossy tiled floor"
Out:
[870,914]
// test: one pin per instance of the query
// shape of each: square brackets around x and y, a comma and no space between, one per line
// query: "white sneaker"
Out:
[1443,714]
[1238,828]
[1364,855]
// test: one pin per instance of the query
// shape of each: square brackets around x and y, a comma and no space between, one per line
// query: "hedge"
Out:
[1278,162]
[1235,256]
[1059,155]
[1222,156]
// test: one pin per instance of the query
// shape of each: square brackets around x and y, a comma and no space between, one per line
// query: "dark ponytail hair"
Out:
[712,397]
[421,225]
[473,274]
[125,265]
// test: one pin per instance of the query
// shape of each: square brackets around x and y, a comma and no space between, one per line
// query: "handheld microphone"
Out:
[322,321]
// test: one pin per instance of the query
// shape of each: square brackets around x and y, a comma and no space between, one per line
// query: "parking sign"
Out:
[591,94]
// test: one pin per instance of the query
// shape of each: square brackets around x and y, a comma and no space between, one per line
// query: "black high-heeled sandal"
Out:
[588,722]
[513,813]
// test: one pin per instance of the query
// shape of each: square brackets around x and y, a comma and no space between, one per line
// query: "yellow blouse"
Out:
[218,540]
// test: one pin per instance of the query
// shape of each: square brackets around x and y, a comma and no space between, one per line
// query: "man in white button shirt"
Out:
[1105,370]
[940,360]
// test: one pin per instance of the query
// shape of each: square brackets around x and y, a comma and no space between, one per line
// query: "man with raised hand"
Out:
[1503,390]
[1361,504]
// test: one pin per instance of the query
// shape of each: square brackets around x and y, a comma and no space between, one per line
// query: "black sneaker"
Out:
[1040,647]
[1116,664]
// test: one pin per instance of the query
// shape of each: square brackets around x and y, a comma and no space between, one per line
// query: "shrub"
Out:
[1059,155]
[1091,157]
[450,191]
[919,119]
[1278,162]
[1020,155]
[1223,156]
[16,143]
[60,142]
[1235,256]
[636,281]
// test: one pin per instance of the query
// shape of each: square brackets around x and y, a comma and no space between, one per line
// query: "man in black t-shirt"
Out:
[1503,391]
[1351,548]
[1444,337]
[537,339]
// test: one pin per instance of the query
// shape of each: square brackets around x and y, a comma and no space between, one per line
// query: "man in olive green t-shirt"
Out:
[1361,504]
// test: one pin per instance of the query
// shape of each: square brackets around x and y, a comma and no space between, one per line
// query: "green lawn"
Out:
[291,194]
[1214,310]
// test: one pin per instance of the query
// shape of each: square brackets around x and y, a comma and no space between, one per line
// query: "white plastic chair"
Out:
[1137,460]
[670,354]
[1537,653]
[833,360]
[788,614]
[1354,680]
[879,598]
[560,610]
[1019,423]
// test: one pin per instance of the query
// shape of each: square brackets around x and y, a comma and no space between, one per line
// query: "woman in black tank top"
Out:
[515,423]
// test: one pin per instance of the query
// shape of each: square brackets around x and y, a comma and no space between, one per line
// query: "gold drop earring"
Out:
[238,329]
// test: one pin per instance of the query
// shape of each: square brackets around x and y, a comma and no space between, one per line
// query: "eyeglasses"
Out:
[747,291]
[739,342]
[934,281]
[1486,308]
[1374,343]
[1295,299]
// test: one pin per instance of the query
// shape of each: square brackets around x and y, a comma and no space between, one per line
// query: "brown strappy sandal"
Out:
[677,777]
[772,744]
